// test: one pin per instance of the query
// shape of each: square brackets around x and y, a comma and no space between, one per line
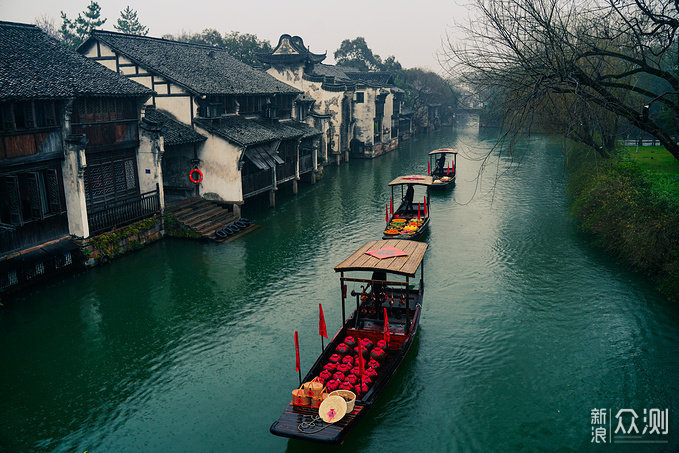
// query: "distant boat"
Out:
[443,166]
[411,218]
[389,290]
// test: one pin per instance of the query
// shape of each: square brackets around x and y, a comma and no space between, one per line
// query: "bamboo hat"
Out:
[332,409]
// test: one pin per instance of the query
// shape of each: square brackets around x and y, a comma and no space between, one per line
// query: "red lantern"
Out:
[374,364]
[335,358]
[332,367]
[332,385]
[325,375]
[338,376]
[348,359]
[344,367]
[370,373]
[352,378]
[349,341]
[342,349]
[361,389]
[367,344]
[378,354]
[382,344]
[346,386]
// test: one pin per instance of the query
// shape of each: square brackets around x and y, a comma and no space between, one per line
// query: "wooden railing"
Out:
[110,214]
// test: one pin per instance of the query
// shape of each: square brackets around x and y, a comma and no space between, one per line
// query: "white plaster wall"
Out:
[149,158]
[386,120]
[127,70]
[106,51]
[364,114]
[179,106]
[219,164]
[74,190]
[327,102]
[145,80]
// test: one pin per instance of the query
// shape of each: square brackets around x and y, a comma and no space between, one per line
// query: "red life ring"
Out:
[200,176]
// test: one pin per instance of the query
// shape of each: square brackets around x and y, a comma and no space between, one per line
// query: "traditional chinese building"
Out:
[253,125]
[358,111]
[75,157]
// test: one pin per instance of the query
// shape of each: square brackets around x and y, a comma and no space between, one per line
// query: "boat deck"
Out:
[288,424]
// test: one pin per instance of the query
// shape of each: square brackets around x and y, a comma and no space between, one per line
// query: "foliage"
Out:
[357,54]
[584,65]
[109,244]
[129,23]
[424,88]
[75,32]
[243,46]
[47,24]
[615,200]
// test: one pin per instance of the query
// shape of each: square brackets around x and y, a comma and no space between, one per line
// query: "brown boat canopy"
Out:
[444,151]
[402,265]
[422,180]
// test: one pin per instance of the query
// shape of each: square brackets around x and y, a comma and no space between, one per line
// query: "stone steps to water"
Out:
[202,216]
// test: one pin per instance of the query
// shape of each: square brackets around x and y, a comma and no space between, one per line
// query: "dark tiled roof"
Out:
[174,131]
[199,68]
[330,71]
[305,128]
[33,65]
[247,132]
[382,78]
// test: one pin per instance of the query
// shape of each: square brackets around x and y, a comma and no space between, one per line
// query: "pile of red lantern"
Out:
[343,369]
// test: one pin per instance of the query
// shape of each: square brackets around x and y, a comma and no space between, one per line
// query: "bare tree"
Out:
[582,63]
[48,25]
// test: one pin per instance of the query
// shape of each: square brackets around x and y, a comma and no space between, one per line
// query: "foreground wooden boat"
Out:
[411,218]
[443,166]
[389,287]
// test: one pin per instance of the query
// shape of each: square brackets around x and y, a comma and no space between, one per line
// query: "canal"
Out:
[185,346]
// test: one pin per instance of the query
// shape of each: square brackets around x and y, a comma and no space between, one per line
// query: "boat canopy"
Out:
[422,180]
[406,264]
[444,151]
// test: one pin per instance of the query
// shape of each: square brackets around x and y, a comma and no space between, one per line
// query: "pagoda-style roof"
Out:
[35,66]
[291,50]
[200,69]
[444,151]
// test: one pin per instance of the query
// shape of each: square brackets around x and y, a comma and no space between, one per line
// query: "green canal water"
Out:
[189,347]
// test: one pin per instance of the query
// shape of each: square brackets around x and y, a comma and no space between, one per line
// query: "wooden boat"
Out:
[390,286]
[443,166]
[415,213]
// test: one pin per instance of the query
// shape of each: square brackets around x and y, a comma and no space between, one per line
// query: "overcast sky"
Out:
[411,30]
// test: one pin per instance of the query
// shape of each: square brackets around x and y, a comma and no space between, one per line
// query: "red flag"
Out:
[321,323]
[425,206]
[297,366]
[418,211]
[386,213]
[448,170]
[391,206]
[429,168]
[387,335]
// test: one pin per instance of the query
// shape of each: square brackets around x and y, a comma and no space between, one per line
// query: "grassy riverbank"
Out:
[630,204]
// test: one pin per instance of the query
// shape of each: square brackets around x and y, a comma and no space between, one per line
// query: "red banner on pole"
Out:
[297,365]
[418,211]
[391,206]
[448,170]
[321,323]
[387,334]
[429,168]
[386,213]
[425,206]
